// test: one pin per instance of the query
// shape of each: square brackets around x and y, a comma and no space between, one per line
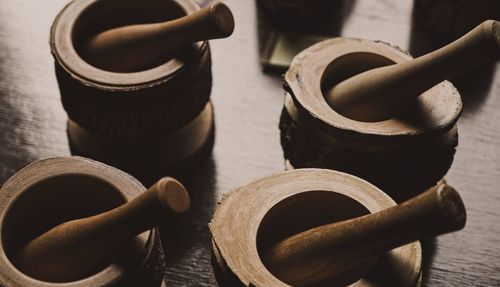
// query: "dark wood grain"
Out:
[247,105]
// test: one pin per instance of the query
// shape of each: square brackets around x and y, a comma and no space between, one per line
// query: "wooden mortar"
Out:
[149,158]
[52,191]
[413,150]
[257,215]
[134,113]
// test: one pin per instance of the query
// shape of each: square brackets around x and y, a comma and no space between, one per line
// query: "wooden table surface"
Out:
[248,103]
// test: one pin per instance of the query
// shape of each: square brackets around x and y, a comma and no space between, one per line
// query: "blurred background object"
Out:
[287,27]
[447,20]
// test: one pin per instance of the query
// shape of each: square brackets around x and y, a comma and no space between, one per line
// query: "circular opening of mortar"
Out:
[53,201]
[108,14]
[302,212]
[349,65]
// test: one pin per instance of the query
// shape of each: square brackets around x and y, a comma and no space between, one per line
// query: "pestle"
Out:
[79,248]
[136,47]
[326,251]
[384,92]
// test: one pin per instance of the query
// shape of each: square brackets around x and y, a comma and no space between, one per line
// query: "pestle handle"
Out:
[79,248]
[326,251]
[382,93]
[135,47]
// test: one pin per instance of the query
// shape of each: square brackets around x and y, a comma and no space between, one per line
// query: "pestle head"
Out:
[173,196]
[492,27]
[223,18]
[452,206]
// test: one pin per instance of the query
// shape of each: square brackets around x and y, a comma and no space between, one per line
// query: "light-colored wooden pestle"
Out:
[136,47]
[79,248]
[327,251]
[383,93]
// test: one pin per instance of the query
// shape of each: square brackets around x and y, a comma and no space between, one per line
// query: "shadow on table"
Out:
[184,240]
[428,253]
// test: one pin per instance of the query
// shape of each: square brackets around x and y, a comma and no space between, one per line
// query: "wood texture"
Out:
[31,204]
[403,155]
[328,251]
[150,157]
[157,100]
[131,48]
[136,121]
[74,249]
[383,93]
[247,105]
[278,206]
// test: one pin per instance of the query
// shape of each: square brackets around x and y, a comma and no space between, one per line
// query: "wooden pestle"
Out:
[136,47]
[79,248]
[382,93]
[326,251]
